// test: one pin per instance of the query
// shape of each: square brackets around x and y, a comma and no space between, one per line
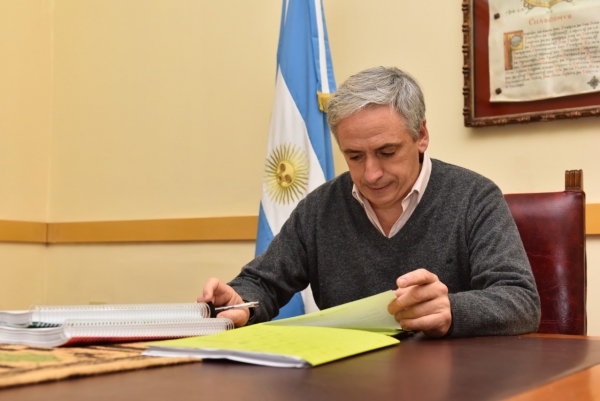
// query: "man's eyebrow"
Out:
[379,149]
[387,146]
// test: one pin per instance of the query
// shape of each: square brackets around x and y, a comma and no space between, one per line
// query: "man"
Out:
[442,236]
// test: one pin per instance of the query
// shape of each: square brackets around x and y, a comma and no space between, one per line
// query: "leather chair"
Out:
[552,228]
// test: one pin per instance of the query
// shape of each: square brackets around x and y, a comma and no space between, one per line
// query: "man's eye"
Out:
[387,154]
[354,158]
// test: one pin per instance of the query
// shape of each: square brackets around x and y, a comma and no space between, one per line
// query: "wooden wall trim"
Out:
[238,228]
[592,218]
[23,231]
[242,228]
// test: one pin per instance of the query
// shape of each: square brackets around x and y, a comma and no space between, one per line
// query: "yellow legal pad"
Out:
[280,346]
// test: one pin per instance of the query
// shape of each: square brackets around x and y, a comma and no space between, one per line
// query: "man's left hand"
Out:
[422,303]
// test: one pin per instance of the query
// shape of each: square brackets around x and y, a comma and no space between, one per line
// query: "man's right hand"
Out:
[220,294]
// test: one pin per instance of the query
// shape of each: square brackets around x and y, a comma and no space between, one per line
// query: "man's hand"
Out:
[220,294]
[422,303]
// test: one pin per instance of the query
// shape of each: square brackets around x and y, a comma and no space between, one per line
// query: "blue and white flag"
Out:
[299,157]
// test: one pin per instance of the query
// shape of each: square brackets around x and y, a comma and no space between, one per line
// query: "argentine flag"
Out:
[299,157]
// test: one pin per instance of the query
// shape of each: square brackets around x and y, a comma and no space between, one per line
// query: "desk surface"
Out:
[485,368]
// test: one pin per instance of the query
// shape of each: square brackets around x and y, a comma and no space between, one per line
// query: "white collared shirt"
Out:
[409,203]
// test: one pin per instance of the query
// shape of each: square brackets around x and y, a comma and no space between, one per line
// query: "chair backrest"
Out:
[552,228]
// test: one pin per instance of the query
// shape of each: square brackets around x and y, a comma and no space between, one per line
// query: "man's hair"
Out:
[379,86]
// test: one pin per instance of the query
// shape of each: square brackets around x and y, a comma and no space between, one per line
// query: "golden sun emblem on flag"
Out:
[286,174]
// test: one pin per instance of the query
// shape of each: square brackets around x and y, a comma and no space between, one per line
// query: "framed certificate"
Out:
[536,71]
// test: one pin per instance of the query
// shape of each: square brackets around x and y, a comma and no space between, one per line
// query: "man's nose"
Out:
[373,170]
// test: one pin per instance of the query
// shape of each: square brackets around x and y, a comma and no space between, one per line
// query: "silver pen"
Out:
[253,304]
[215,310]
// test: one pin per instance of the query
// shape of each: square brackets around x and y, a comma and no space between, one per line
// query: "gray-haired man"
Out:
[442,236]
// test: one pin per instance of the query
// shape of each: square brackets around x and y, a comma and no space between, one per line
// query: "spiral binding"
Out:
[52,316]
[91,331]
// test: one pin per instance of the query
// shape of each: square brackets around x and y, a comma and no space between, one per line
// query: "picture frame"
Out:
[478,111]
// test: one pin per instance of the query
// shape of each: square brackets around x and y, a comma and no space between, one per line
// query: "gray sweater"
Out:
[461,230]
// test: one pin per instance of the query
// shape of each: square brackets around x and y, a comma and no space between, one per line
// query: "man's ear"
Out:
[423,141]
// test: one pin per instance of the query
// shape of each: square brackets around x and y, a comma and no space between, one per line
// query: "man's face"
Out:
[381,154]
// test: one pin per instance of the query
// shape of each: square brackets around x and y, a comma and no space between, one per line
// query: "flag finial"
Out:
[324,99]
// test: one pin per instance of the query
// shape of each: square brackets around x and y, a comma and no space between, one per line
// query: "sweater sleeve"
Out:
[276,275]
[503,299]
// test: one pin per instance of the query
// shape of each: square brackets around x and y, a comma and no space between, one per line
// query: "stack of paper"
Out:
[67,325]
[302,341]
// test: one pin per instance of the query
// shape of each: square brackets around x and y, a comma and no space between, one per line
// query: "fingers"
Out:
[422,303]
[220,294]
[416,277]
[209,289]
[239,317]
[417,294]
[434,325]
[433,317]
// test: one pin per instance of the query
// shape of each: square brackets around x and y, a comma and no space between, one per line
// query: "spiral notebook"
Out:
[55,315]
[67,325]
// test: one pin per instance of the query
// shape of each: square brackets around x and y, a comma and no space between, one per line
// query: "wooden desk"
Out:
[582,386]
[486,368]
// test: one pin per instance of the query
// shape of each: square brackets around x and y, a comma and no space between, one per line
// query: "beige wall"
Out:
[25,121]
[25,108]
[23,273]
[160,109]
[134,273]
